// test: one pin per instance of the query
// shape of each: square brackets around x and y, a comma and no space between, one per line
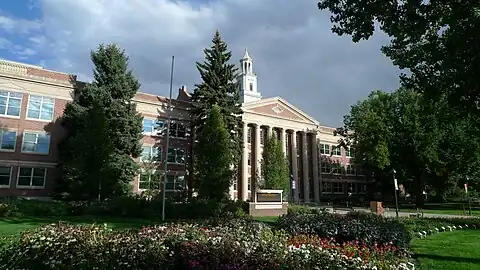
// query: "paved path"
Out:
[391,213]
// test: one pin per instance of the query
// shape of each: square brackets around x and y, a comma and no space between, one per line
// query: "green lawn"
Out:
[442,211]
[16,225]
[458,250]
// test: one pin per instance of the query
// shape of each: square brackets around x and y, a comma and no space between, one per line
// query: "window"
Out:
[251,86]
[336,168]
[10,103]
[262,136]
[249,158]
[175,183]
[150,153]
[5,176]
[350,169]
[176,155]
[40,107]
[31,177]
[325,149]
[235,185]
[337,188]
[326,167]
[8,139]
[178,130]
[336,151]
[354,188]
[249,135]
[151,126]
[249,183]
[35,143]
[348,152]
[327,187]
[149,181]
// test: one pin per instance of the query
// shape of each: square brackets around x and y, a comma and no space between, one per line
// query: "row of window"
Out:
[39,107]
[27,177]
[157,127]
[32,142]
[152,153]
[154,180]
[338,168]
[335,150]
[341,188]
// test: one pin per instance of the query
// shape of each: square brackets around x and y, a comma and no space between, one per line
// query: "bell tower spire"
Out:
[247,80]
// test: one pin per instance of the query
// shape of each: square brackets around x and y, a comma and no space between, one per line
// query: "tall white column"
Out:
[258,159]
[270,132]
[244,183]
[283,141]
[316,178]
[294,164]
[306,184]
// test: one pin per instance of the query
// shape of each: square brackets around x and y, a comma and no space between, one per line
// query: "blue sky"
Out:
[14,45]
[295,54]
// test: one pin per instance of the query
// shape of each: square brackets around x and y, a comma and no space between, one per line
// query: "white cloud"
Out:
[296,55]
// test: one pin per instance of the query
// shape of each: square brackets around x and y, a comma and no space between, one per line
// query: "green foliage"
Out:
[218,88]
[366,228]
[214,158]
[430,225]
[275,173]
[404,131]
[103,131]
[228,244]
[435,40]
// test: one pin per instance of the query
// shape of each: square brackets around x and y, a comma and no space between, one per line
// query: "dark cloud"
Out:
[296,55]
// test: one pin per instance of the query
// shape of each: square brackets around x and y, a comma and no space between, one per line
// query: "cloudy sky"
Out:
[296,55]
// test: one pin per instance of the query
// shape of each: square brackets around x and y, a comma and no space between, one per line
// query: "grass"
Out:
[458,250]
[16,225]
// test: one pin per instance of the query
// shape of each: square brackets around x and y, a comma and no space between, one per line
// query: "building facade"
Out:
[32,99]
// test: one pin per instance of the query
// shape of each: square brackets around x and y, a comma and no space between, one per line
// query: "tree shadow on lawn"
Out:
[448,258]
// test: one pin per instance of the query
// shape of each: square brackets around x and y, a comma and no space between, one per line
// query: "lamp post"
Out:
[167,141]
[468,198]
[395,192]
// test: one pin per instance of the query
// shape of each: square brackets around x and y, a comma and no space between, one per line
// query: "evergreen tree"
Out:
[275,173]
[218,88]
[103,130]
[214,158]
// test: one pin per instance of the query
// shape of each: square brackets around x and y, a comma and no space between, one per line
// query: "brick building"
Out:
[33,98]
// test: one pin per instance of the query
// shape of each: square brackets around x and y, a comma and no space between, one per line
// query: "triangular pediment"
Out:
[278,107]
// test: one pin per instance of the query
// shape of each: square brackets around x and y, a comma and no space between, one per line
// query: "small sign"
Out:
[396,183]
[466,187]
[269,197]
[293,184]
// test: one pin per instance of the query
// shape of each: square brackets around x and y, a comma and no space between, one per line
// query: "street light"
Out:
[395,187]
[468,198]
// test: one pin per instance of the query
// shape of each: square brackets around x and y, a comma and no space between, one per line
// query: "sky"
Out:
[296,56]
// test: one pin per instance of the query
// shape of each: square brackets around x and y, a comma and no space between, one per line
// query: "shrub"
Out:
[7,210]
[235,244]
[368,229]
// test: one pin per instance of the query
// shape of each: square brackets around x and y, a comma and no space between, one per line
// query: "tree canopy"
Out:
[400,131]
[218,87]
[103,130]
[275,173]
[436,41]
[214,158]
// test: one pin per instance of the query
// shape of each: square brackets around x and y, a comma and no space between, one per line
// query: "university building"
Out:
[33,98]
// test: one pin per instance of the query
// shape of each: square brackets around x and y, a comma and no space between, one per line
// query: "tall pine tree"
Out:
[103,131]
[218,87]
[214,158]
[275,173]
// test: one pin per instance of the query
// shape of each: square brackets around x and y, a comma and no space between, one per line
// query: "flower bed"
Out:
[366,228]
[237,244]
